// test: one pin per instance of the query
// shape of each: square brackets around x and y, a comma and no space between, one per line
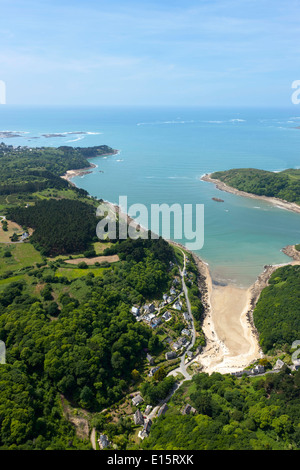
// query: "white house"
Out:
[135,311]
[177,305]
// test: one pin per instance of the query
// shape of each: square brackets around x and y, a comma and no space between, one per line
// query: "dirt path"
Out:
[91,261]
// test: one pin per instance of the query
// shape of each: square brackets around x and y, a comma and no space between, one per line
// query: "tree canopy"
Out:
[283,185]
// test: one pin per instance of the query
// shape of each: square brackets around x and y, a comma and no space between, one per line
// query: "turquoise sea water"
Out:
[162,154]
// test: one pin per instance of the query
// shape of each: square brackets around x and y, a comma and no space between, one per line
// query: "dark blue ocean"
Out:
[162,154]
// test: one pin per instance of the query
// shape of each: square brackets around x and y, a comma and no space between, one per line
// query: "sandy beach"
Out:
[273,200]
[73,173]
[84,171]
[232,340]
[231,336]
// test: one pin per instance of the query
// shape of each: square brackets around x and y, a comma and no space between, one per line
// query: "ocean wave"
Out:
[16,132]
[214,122]
[164,122]
[81,132]
[75,140]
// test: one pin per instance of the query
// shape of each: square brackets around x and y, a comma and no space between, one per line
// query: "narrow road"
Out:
[182,369]
[183,366]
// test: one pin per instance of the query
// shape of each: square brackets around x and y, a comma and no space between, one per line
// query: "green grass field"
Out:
[75,273]
[5,282]
[22,255]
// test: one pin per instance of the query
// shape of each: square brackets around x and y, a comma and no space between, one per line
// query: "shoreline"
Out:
[232,341]
[80,172]
[291,206]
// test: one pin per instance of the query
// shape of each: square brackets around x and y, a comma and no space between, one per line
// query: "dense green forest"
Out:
[28,170]
[232,414]
[137,251]
[277,313]
[60,226]
[85,350]
[283,185]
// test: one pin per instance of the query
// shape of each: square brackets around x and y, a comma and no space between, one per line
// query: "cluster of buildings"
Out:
[141,419]
[181,343]
[148,311]
[279,364]
[254,371]
[259,369]
[148,314]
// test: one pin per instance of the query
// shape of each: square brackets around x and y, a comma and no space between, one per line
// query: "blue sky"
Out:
[167,52]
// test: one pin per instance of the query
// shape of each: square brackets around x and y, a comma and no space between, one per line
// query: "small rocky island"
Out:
[217,199]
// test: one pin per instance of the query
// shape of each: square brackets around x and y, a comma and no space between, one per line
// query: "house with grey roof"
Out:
[146,429]
[162,410]
[188,409]
[186,332]
[150,359]
[170,355]
[167,316]
[258,370]
[137,400]
[190,354]
[150,308]
[153,370]
[138,418]
[103,441]
[155,323]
